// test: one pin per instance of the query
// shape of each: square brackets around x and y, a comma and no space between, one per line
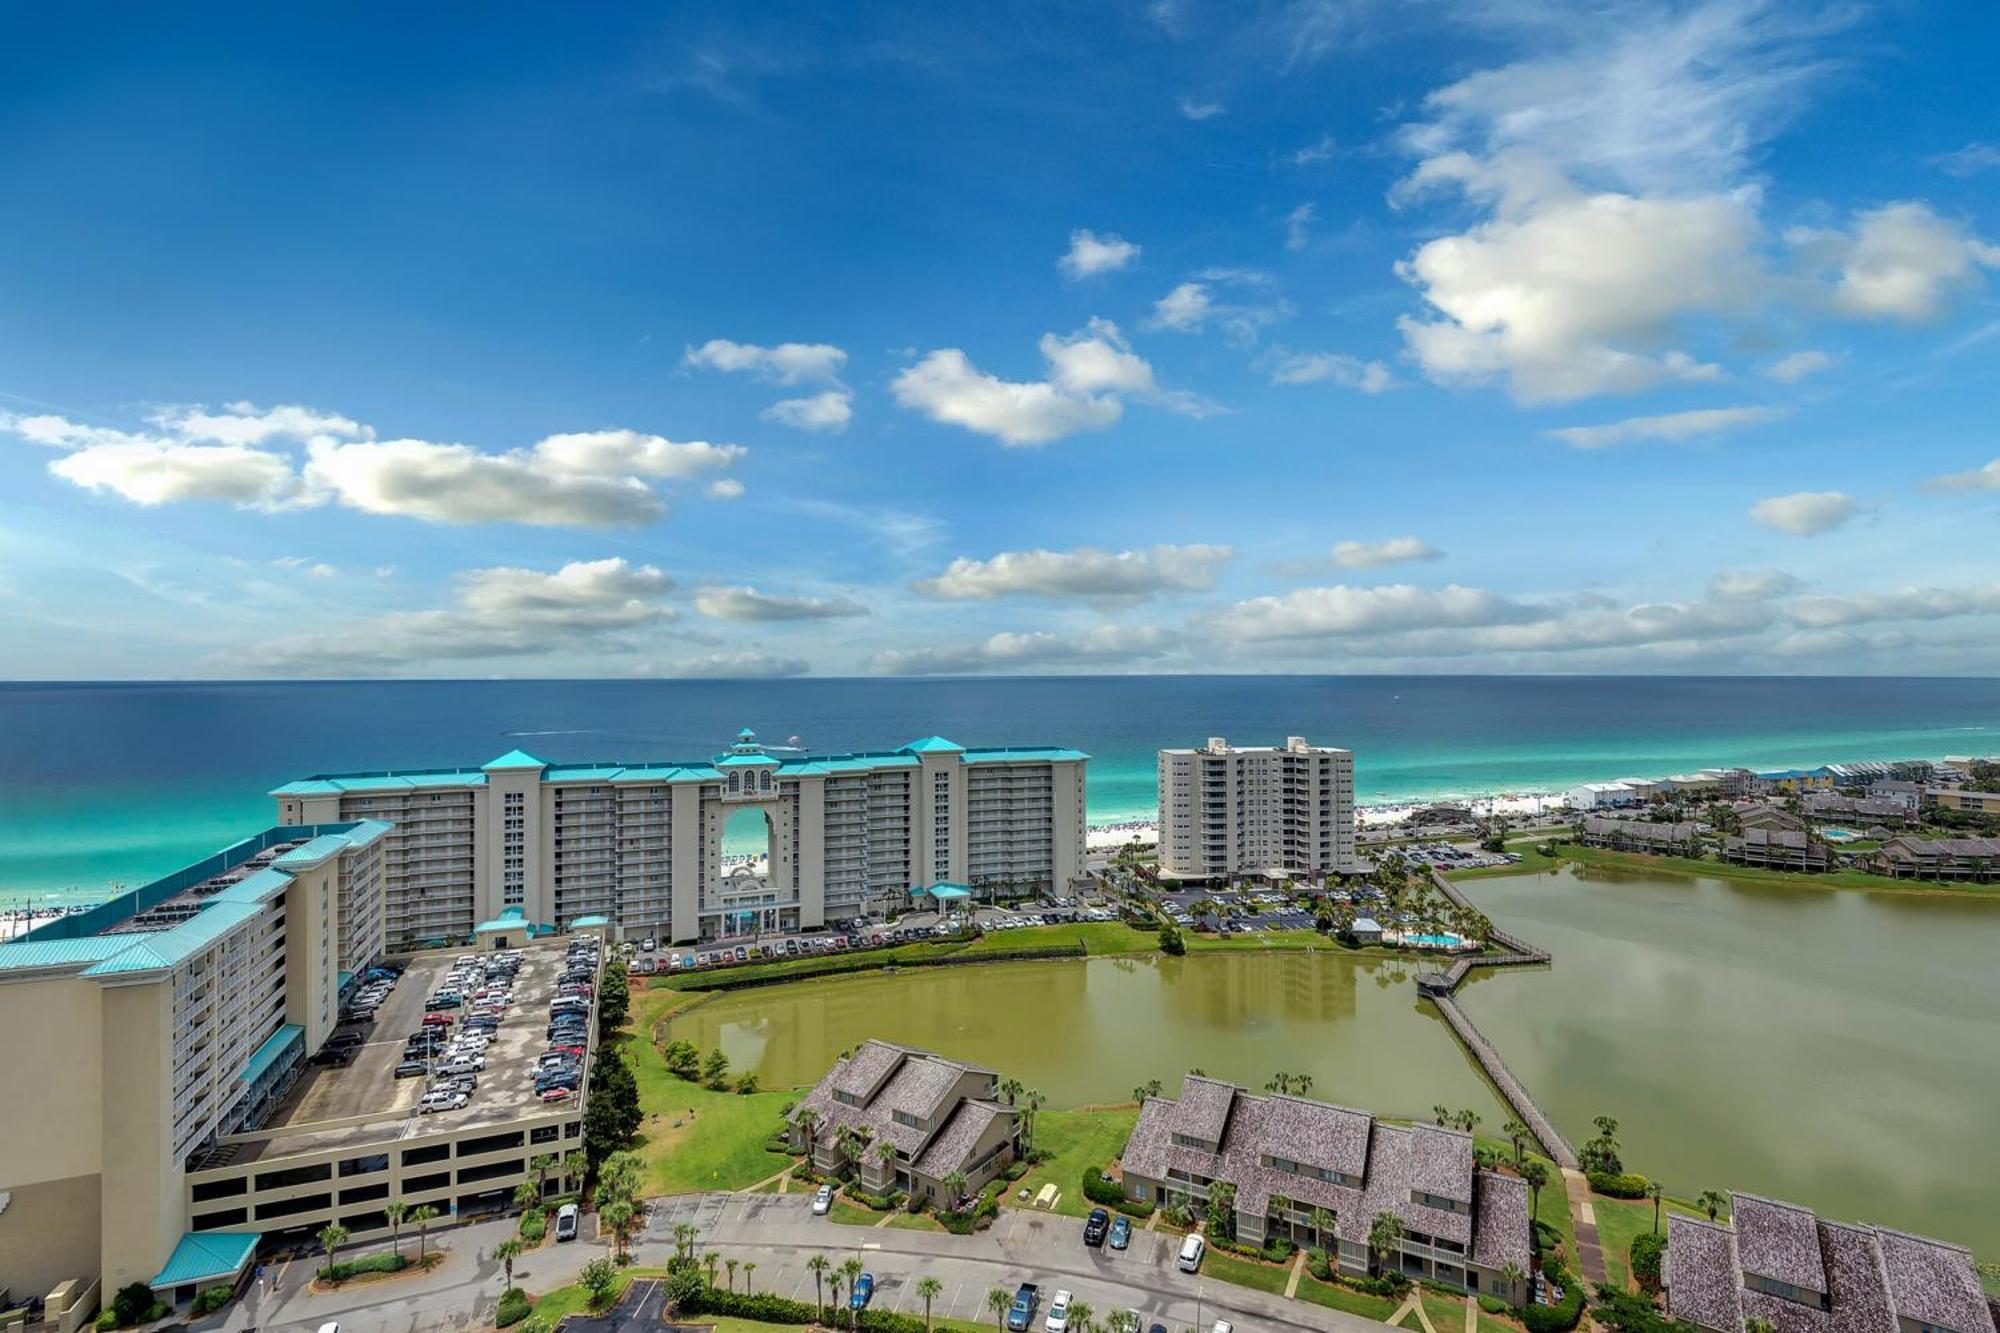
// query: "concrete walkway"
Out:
[1589,1253]
[1292,1282]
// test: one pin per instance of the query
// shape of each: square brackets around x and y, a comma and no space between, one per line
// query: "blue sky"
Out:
[1325,335]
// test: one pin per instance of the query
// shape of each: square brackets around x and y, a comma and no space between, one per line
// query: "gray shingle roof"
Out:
[1332,1138]
[1500,1222]
[952,1149]
[1933,1282]
[1778,1240]
[861,1073]
[1203,1108]
[1703,1282]
[1441,1162]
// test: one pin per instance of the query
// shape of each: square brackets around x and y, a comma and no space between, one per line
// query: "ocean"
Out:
[108,785]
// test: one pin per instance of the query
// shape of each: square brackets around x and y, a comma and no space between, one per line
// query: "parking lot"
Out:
[367,1087]
[781,1235]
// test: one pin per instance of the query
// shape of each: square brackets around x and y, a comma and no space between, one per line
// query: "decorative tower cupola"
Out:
[748,773]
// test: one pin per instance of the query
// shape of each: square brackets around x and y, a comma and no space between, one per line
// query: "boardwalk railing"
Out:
[1438,988]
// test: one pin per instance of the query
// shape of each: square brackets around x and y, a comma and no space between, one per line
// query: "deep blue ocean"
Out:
[106,784]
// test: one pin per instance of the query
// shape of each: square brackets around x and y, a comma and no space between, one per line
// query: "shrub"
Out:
[534,1226]
[881,1203]
[386,1262]
[1101,1191]
[1280,1249]
[1494,1305]
[1562,1316]
[513,1308]
[1648,1248]
[105,1321]
[134,1301]
[1624,1185]
[211,1299]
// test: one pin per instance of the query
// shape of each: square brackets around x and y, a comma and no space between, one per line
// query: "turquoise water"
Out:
[102,784]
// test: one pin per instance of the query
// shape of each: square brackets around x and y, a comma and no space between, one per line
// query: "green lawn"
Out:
[1531,862]
[1837,879]
[1096,937]
[693,1138]
[1619,1221]
[1249,1272]
[1447,1313]
[850,1214]
[1378,1308]
[905,1220]
[1076,1139]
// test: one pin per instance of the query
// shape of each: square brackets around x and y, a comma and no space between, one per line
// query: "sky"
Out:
[888,339]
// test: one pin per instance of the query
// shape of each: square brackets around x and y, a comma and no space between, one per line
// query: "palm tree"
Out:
[1442,1112]
[331,1237]
[1385,1234]
[421,1217]
[930,1289]
[1653,1193]
[710,1261]
[1079,1316]
[954,1188]
[543,1165]
[1537,1176]
[749,1267]
[1517,1133]
[506,1252]
[1759,1324]
[1712,1202]
[1222,1209]
[616,1217]
[1034,1100]
[1281,1208]
[999,1302]
[1511,1274]
[885,1155]
[819,1264]
[684,1238]
[1466,1120]
[526,1195]
[808,1122]
[574,1164]
[1322,1221]
[1010,1088]
[730,1264]
[396,1210]
[850,1269]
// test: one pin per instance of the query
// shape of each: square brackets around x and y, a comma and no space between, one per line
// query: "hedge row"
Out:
[1648,1249]
[388,1261]
[766,1309]
[1099,1190]
[1562,1316]
[1630,1185]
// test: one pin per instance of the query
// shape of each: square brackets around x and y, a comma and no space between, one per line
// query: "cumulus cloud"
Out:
[1902,604]
[501,612]
[1298,226]
[1090,254]
[1349,372]
[1086,572]
[1320,150]
[1090,373]
[1194,305]
[1674,426]
[1194,110]
[1098,646]
[1804,513]
[1978,479]
[1900,261]
[1800,365]
[1970,160]
[1374,555]
[742,603]
[734,666]
[786,363]
[829,410]
[250,458]
[1311,613]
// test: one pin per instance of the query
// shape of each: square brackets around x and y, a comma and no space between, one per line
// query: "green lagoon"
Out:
[1834,1047]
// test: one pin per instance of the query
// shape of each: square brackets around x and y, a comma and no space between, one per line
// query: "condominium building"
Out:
[1274,810]
[1779,1265]
[1319,1174]
[643,844]
[157,1024]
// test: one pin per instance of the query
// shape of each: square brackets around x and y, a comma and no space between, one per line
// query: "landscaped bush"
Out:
[1099,1190]
[211,1299]
[881,1203]
[1626,1185]
[1494,1305]
[1648,1249]
[389,1261]
[977,1218]
[1561,1317]
[1319,1265]
[513,1308]
[1015,1170]
[534,1226]
[1280,1249]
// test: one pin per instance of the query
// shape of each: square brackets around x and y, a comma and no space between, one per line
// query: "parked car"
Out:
[1058,1320]
[1022,1312]
[823,1201]
[1121,1234]
[864,1291]
[1096,1226]
[566,1220]
[1192,1249]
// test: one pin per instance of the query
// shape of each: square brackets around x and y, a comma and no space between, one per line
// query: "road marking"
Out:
[872,1245]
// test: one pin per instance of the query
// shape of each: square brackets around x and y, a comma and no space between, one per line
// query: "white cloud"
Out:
[735,666]
[501,612]
[1374,555]
[1091,254]
[1804,513]
[1097,646]
[1900,261]
[1086,572]
[1298,226]
[1194,110]
[829,410]
[1184,308]
[306,565]
[1800,365]
[1320,150]
[1674,426]
[741,603]
[1759,584]
[1090,373]
[1349,372]
[1191,306]
[1342,610]
[1970,160]
[785,363]
[1978,479]
[1902,604]
[724,488]
[246,457]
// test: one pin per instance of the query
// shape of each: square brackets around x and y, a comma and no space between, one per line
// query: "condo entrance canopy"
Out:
[944,893]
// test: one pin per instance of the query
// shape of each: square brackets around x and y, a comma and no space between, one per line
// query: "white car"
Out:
[441,1101]
[823,1201]
[1058,1320]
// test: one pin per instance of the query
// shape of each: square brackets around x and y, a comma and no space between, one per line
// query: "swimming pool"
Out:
[1839,834]
[1435,941]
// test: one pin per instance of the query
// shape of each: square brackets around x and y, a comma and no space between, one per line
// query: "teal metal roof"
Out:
[204,1256]
[515,759]
[584,921]
[1024,753]
[513,918]
[745,734]
[28,955]
[942,892]
[743,760]
[934,745]
[315,853]
[271,1051]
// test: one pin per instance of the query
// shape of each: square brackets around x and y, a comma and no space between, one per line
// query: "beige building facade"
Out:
[644,844]
[1275,810]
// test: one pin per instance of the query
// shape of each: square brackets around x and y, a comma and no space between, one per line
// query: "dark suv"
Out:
[1096,1226]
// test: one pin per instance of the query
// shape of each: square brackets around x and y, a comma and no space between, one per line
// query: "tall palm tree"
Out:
[998,1303]
[1323,1223]
[543,1166]
[1442,1112]
[850,1268]
[1385,1234]
[1034,1100]
[1011,1088]
[749,1268]
[1511,1274]
[1281,1208]
[1079,1316]
[396,1210]
[710,1261]
[929,1289]
[616,1217]
[818,1266]
[506,1252]
[885,1156]
[1712,1202]
[954,1188]
[1517,1133]
[526,1195]
[807,1120]
[421,1218]
[684,1238]
[574,1164]
[331,1237]
[1537,1176]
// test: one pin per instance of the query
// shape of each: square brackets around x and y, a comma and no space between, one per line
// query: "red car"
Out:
[556,1095]
[437,1020]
